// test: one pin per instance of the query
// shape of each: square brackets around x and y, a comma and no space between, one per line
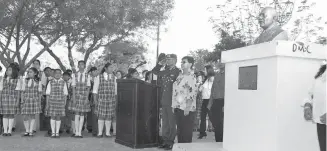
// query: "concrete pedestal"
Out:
[264,113]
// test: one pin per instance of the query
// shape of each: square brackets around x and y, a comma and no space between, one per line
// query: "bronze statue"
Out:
[271,30]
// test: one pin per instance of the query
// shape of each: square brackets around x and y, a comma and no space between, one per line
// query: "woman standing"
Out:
[199,81]
[10,96]
[184,100]
[205,90]
[315,106]
[104,92]
[31,100]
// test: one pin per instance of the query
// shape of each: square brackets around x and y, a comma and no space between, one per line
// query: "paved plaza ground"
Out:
[66,143]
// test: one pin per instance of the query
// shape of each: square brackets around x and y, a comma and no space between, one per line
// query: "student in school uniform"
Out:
[1,128]
[105,92]
[92,120]
[48,77]
[69,122]
[81,89]
[31,93]
[10,96]
[56,98]
[20,77]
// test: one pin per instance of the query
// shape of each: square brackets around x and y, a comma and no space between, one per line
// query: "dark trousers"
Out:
[203,118]
[321,129]
[168,125]
[92,121]
[216,116]
[184,126]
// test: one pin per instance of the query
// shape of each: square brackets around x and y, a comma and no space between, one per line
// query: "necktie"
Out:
[80,77]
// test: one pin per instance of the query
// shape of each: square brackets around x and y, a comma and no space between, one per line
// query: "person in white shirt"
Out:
[81,89]
[315,105]
[105,94]
[205,89]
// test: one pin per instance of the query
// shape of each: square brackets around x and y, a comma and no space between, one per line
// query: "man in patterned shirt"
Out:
[168,77]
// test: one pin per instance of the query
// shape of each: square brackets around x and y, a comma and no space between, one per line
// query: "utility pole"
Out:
[158,36]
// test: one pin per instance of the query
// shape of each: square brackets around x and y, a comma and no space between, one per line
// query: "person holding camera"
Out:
[315,105]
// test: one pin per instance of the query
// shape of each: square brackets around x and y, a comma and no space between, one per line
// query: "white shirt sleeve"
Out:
[116,84]
[308,99]
[48,91]
[65,89]
[43,79]
[73,80]
[96,84]
[23,85]
[88,82]
[19,84]
[1,83]
[40,86]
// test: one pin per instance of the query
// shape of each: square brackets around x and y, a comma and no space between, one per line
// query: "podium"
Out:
[264,89]
[137,114]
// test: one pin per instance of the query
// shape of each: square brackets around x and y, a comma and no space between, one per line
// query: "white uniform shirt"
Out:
[84,75]
[97,82]
[318,91]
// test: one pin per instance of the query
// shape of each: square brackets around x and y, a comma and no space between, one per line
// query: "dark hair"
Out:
[81,61]
[92,69]
[121,72]
[0,68]
[321,71]
[200,73]
[37,60]
[131,71]
[147,74]
[36,77]
[210,71]
[47,68]
[145,71]
[14,74]
[105,67]
[69,71]
[189,60]
[55,70]
[66,73]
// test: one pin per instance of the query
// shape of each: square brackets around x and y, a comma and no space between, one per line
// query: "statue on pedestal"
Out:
[271,30]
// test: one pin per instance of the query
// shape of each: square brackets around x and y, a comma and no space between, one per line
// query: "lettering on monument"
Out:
[301,48]
[248,78]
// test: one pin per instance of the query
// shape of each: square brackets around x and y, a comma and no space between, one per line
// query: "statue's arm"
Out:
[281,36]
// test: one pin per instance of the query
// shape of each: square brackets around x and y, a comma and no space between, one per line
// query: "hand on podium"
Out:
[186,112]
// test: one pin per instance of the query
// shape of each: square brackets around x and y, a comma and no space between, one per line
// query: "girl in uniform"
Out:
[56,98]
[69,123]
[105,91]
[10,96]
[31,93]
[81,105]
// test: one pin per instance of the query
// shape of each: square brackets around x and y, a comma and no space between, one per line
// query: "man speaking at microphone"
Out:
[168,77]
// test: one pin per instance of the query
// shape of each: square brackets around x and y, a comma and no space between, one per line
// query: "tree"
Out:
[18,19]
[88,25]
[201,58]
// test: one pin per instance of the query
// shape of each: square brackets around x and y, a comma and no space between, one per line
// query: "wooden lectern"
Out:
[137,114]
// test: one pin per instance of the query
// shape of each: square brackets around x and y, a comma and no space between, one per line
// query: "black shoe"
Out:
[26,134]
[168,147]
[9,134]
[4,134]
[202,135]
[34,131]
[13,129]
[68,131]
[94,135]
[162,146]
[53,135]
[73,135]
[99,136]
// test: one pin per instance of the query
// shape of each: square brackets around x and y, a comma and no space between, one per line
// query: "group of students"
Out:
[60,96]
